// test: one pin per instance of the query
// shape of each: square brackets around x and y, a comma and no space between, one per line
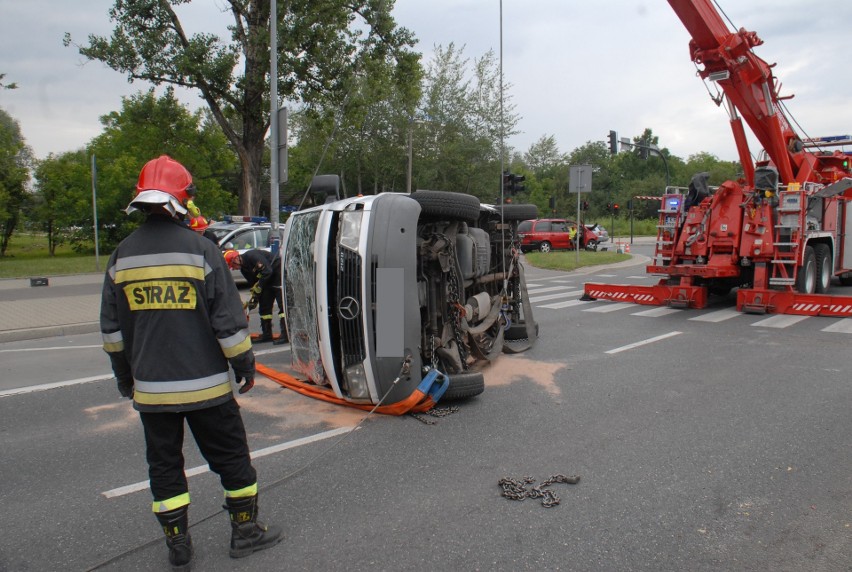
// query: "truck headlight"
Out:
[350,229]
[356,381]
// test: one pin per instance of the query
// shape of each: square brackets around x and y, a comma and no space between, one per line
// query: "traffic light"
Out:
[512,183]
[608,207]
[585,205]
[613,143]
[553,203]
[615,209]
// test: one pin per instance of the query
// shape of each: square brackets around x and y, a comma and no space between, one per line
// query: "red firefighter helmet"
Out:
[232,257]
[163,181]
[199,224]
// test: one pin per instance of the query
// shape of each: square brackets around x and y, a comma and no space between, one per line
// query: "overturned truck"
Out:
[385,291]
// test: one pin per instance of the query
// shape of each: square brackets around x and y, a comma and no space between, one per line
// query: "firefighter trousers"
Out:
[221,438]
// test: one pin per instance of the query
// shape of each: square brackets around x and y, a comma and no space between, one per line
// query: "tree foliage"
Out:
[146,126]
[15,161]
[325,46]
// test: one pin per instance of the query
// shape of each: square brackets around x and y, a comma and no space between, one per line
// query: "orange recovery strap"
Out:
[422,399]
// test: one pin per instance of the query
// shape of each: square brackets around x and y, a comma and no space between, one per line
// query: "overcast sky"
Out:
[578,68]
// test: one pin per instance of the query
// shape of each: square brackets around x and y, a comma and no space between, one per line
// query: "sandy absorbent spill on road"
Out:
[510,369]
[289,409]
[111,417]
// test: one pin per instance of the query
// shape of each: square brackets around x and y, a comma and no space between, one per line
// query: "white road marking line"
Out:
[566,294]
[606,275]
[844,326]
[541,290]
[642,277]
[567,304]
[780,321]
[51,349]
[141,486]
[46,386]
[642,343]
[717,316]
[610,307]
[656,312]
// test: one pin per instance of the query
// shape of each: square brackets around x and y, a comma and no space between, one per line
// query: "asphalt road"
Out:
[705,440]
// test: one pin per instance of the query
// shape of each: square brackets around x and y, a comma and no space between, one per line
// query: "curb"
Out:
[48,332]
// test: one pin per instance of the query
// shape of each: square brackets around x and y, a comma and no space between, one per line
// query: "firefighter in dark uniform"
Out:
[172,323]
[262,271]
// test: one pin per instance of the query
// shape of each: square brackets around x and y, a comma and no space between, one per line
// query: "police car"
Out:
[241,233]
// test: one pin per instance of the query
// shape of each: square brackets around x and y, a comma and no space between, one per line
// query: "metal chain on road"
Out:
[435,412]
[514,489]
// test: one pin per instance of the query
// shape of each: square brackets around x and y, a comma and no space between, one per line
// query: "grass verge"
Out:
[567,260]
[27,256]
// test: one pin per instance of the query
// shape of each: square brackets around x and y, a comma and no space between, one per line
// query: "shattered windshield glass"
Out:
[299,286]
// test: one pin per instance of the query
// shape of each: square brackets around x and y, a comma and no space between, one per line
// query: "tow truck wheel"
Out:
[823,268]
[544,246]
[806,276]
[464,385]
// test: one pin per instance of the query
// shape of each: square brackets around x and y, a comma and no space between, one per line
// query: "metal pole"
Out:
[577,234]
[410,154]
[95,213]
[273,126]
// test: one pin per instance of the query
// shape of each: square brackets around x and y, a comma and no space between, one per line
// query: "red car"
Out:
[548,234]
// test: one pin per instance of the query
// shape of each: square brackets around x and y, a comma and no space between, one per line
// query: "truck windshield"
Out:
[299,271]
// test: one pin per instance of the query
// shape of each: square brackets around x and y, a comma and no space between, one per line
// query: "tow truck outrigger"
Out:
[779,234]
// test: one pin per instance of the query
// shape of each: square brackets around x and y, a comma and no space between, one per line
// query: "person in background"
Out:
[172,324]
[262,271]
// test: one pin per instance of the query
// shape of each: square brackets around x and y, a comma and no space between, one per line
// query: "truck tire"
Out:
[446,205]
[518,212]
[464,385]
[823,267]
[806,274]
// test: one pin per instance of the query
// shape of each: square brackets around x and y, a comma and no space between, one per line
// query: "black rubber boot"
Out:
[265,331]
[248,535]
[175,524]
[282,338]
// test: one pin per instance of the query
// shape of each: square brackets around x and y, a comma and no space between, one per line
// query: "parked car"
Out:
[241,233]
[553,234]
[381,290]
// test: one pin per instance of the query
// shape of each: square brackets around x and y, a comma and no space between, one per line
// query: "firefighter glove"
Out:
[123,377]
[255,290]
[125,386]
[252,303]
[243,365]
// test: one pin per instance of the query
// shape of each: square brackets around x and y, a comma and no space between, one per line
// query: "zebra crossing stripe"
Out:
[717,316]
[567,294]
[842,326]
[780,321]
[542,290]
[568,304]
[606,308]
[657,312]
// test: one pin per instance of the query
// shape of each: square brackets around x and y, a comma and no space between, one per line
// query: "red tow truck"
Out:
[779,234]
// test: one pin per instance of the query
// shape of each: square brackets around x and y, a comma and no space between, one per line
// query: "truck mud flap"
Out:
[762,301]
[694,297]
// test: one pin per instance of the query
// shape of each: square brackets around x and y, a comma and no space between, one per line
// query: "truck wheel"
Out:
[452,206]
[823,268]
[518,212]
[464,385]
[544,246]
[806,275]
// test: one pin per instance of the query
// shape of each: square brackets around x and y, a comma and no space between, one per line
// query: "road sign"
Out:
[580,179]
